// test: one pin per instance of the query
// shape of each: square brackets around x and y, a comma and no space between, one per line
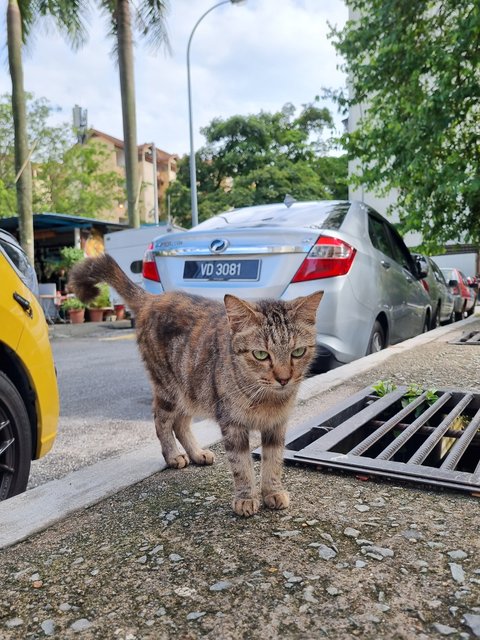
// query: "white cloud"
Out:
[246,58]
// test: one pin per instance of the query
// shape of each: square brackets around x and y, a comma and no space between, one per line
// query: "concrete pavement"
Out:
[152,556]
[42,506]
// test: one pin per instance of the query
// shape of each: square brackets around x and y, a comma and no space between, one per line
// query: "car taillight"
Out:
[149,266]
[329,257]
[425,285]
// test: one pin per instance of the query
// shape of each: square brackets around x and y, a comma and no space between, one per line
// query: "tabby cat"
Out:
[239,363]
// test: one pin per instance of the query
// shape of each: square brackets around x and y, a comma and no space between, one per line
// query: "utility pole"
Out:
[155,183]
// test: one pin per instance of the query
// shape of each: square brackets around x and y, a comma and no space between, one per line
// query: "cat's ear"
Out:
[305,308]
[239,312]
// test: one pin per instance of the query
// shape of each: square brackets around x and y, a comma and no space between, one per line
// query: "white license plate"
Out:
[221,270]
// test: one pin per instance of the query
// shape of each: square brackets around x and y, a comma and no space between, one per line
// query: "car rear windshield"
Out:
[318,215]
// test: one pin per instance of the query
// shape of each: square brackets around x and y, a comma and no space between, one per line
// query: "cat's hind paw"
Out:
[203,457]
[179,461]
[278,500]
[247,507]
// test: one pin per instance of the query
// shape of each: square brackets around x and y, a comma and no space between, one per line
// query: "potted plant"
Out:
[100,304]
[75,309]
[69,257]
[119,311]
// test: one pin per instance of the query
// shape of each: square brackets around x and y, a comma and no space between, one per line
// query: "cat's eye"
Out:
[260,355]
[299,352]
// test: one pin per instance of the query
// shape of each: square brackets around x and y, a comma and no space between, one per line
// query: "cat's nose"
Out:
[283,381]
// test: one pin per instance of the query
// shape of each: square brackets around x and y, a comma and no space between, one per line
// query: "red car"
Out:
[465,296]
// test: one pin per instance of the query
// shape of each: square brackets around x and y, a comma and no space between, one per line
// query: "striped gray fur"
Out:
[199,354]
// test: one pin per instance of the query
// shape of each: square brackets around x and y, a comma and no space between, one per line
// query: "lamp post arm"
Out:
[193,168]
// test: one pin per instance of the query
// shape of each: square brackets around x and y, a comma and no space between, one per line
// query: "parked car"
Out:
[465,297]
[435,285]
[373,296]
[29,405]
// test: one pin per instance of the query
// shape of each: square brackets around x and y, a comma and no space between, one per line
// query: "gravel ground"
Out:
[168,558]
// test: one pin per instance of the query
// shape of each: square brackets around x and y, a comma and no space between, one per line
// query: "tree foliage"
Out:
[22,15]
[68,178]
[258,159]
[414,68]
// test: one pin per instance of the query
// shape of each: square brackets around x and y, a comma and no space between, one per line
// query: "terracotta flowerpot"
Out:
[77,316]
[119,311]
[96,315]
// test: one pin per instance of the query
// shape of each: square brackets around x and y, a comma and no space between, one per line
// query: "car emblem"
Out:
[219,246]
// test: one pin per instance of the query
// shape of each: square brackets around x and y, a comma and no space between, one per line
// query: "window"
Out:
[379,235]
[16,256]
[386,239]
[437,273]
[400,252]
[136,266]
[20,261]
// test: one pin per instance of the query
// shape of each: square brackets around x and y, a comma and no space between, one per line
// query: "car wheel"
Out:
[15,441]
[451,318]
[377,339]
[436,318]
[426,324]
[459,315]
[471,311]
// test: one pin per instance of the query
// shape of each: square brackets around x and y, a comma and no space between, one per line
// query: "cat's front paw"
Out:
[278,500]
[179,461]
[246,507]
[203,456]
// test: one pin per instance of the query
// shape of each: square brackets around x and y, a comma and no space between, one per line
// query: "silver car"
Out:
[435,285]
[373,296]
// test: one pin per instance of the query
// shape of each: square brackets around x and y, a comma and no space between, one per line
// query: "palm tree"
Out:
[21,15]
[68,15]
[15,34]
[149,20]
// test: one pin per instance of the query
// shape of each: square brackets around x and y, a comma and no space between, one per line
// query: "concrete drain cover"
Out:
[471,337]
[431,438]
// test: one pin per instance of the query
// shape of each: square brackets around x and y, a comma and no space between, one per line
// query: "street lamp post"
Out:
[193,168]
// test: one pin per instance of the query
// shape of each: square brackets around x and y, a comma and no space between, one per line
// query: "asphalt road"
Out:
[105,403]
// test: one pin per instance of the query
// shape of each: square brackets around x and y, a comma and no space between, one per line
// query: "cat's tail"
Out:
[86,275]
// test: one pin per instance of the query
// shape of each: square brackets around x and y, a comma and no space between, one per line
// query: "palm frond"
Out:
[108,8]
[29,16]
[150,22]
[70,17]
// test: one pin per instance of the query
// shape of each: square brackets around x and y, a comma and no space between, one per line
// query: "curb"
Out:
[331,379]
[43,506]
[39,508]
[86,329]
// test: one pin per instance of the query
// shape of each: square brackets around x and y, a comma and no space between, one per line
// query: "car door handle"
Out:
[385,264]
[24,303]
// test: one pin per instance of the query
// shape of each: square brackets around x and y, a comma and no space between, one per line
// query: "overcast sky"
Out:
[246,58]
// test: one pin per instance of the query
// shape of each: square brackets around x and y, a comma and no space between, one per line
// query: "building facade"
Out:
[166,172]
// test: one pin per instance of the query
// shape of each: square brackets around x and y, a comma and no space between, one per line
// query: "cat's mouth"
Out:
[278,387]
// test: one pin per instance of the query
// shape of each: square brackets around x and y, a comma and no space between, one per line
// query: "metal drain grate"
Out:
[472,337]
[437,444]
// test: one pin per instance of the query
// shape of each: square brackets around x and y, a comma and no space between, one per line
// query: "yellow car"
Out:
[29,404]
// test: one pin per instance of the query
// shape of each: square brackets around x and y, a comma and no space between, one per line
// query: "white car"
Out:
[373,296]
